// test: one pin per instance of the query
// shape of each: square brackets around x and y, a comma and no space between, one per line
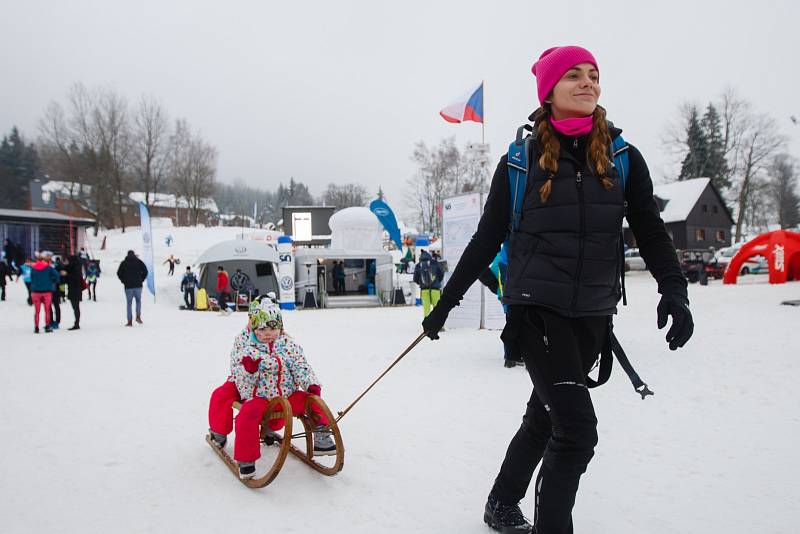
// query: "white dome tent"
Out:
[356,240]
[356,229]
[251,266]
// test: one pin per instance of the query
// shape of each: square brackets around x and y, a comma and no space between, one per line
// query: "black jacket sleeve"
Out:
[488,279]
[486,241]
[644,218]
[142,271]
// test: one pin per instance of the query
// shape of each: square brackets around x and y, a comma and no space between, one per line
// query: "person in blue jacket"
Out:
[494,278]
[188,283]
[25,269]
[92,274]
[44,280]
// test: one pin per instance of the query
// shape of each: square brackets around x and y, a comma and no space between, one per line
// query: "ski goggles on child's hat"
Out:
[265,313]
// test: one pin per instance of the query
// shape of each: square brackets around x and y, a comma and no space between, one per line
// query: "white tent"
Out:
[251,266]
[357,241]
[356,229]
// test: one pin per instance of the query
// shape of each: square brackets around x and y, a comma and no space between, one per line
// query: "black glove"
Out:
[682,327]
[437,317]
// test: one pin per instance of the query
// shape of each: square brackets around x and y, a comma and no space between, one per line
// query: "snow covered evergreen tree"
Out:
[18,165]
[715,165]
[694,163]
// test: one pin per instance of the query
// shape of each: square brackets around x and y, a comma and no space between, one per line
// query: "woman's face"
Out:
[267,334]
[576,93]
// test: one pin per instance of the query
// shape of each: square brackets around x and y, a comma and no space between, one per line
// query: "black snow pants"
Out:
[559,428]
[76,310]
[56,304]
[188,298]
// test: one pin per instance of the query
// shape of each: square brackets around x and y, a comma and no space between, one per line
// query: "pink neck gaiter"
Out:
[573,127]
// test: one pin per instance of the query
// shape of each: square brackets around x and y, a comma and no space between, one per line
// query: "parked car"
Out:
[634,261]
[752,265]
[698,265]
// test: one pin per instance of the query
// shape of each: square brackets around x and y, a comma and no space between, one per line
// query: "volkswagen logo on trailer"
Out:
[286,270]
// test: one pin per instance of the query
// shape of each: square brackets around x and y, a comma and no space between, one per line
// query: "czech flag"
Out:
[467,108]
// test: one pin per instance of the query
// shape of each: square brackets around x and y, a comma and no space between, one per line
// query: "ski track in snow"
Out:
[104,426]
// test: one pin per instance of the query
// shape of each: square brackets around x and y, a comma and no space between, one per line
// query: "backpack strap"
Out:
[619,155]
[518,174]
[610,349]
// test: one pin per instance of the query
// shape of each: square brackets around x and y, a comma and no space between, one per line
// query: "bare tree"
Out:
[193,168]
[344,196]
[149,147]
[783,190]
[441,172]
[758,143]
[71,149]
[110,122]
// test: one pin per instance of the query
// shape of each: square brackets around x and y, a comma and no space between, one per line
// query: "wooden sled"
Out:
[283,445]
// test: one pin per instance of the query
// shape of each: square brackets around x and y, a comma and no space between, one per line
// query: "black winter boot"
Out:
[505,518]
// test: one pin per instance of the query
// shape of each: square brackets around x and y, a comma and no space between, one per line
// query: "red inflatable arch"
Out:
[782,250]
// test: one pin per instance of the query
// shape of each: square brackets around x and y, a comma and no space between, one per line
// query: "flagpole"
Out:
[483,106]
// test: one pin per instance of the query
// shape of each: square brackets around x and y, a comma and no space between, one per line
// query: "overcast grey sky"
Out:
[339,91]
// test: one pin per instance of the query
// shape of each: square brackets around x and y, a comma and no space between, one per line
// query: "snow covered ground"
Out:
[104,427]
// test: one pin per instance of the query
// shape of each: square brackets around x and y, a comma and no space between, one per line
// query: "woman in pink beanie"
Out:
[564,281]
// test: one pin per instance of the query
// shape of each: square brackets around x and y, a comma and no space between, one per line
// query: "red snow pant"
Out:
[41,298]
[247,443]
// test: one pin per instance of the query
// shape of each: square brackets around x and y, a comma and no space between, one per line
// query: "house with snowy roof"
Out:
[694,213]
[76,200]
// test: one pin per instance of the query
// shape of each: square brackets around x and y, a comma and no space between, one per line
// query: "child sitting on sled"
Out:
[265,363]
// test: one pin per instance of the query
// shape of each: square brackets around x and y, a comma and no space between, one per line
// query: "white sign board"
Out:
[301,226]
[460,216]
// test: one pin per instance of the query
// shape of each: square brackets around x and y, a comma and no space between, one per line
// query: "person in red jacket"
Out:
[222,289]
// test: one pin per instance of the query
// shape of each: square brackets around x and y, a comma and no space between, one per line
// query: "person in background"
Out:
[58,291]
[428,276]
[25,269]
[132,272]
[83,257]
[92,274]
[171,262]
[188,283]
[407,260]
[338,277]
[5,272]
[19,259]
[43,281]
[9,253]
[494,278]
[370,276]
[222,290]
[72,274]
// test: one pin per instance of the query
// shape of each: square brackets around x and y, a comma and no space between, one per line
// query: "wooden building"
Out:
[694,213]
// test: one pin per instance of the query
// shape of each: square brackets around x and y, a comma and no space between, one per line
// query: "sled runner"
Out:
[276,446]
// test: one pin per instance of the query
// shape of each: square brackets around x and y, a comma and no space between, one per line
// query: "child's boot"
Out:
[247,470]
[217,439]
[323,442]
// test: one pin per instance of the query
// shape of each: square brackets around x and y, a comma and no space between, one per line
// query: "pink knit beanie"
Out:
[554,62]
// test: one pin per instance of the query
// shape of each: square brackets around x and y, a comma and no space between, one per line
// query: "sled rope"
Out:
[413,344]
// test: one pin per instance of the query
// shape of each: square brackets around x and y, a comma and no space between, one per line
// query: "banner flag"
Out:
[468,107]
[147,247]
[386,216]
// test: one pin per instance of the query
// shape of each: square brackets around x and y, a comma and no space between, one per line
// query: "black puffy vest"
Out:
[566,254]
